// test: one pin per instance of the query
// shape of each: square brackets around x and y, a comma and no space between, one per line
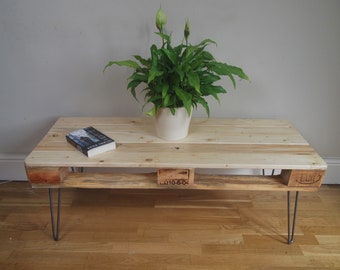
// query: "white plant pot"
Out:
[172,127]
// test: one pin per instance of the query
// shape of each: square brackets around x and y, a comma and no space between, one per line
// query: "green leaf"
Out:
[156,99]
[194,81]
[219,68]
[145,62]
[133,92]
[232,79]
[165,88]
[178,49]
[138,77]
[151,112]
[205,105]
[172,110]
[166,101]
[133,84]
[207,56]
[179,72]
[225,69]
[171,55]
[153,74]
[164,36]
[185,97]
[206,42]
[213,90]
[126,63]
[238,72]
[209,78]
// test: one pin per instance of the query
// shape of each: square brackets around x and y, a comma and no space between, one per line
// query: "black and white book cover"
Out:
[90,141]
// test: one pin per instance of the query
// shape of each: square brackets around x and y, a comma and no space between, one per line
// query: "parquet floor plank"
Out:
[168,230]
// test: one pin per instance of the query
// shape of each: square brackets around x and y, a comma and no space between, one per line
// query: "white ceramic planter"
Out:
[172,127]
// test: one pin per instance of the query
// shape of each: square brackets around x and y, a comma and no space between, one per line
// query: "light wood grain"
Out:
[149,181]
[182,156]
[168,229]
[212,143]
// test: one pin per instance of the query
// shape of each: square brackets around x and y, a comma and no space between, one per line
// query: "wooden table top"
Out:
[211,143]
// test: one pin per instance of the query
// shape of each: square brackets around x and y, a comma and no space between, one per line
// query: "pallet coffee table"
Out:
[212,144]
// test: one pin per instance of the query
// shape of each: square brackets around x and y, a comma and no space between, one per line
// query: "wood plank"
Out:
[149,181]
[212,143]
[134,131]
[81,121]
[183,156]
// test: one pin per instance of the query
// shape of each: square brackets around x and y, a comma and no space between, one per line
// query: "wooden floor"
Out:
[168,229]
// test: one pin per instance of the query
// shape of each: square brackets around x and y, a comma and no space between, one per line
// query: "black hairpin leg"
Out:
[75,169]
[291,230]
[55,227]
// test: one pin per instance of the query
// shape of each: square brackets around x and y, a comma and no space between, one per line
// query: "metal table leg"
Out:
[291,230]
[291,224]
[55,227]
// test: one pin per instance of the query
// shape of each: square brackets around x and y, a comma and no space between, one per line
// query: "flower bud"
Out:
[160,19]
[186,30]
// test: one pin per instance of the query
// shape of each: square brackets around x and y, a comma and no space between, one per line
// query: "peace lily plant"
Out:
[178,76]
[177,79]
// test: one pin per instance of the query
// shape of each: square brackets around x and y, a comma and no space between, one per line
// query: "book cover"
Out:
[90,141]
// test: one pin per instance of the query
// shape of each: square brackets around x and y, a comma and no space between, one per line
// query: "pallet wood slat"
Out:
[179,155]
[149,181]
[231,132]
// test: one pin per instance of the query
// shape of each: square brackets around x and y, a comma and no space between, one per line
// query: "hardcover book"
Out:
[90,141]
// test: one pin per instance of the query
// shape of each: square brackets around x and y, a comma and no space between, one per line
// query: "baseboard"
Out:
[333,171]
[12,168]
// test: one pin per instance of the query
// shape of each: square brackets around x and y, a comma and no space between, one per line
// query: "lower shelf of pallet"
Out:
[149,181]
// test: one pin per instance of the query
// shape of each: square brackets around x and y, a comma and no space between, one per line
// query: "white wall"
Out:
[52,54]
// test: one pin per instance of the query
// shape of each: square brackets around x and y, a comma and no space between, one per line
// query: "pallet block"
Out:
[175,177]
[299,178]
